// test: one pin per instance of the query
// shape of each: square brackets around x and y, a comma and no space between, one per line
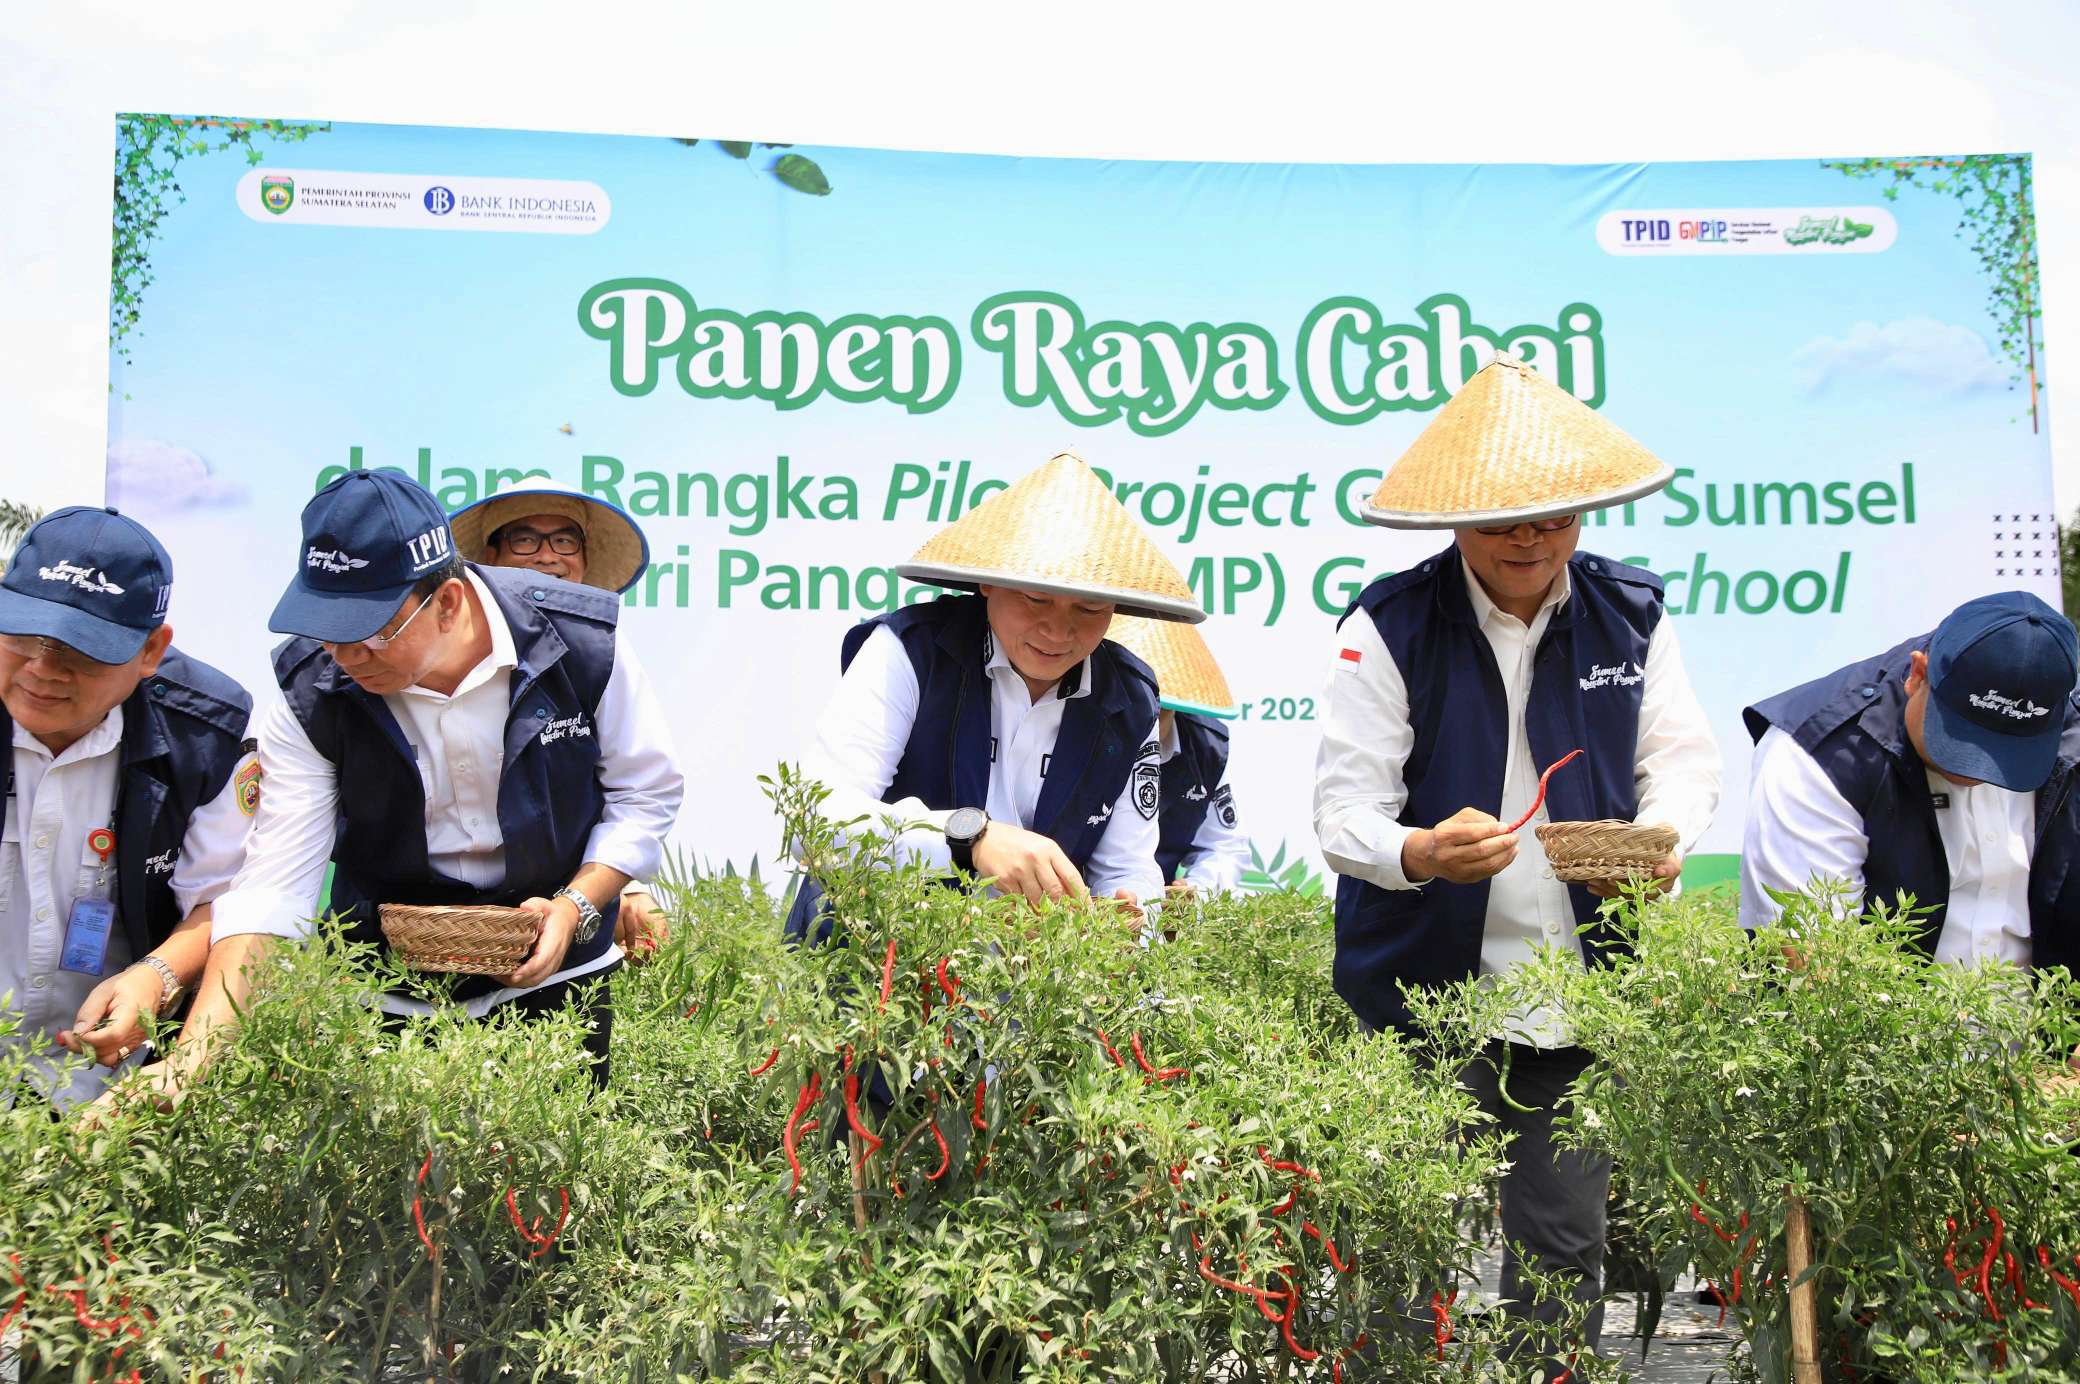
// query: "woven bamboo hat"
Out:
[615,550]
[1059,530]
[1187,678]
[1512,447]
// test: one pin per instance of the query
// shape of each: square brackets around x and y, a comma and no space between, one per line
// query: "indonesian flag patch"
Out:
[1349,659]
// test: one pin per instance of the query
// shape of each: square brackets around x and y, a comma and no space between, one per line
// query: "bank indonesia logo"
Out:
[439,201]
[277,193]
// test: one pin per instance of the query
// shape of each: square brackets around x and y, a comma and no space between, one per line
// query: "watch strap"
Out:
[588,913]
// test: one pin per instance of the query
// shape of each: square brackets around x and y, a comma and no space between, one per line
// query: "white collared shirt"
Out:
[459,743]
[46,864]
[1220,851]
[1367,736]
[1800,828]
[861,736]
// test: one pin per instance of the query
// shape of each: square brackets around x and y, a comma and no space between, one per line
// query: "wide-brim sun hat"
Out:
[1512,447]
[615,550]
[1058,530]
[1187,678]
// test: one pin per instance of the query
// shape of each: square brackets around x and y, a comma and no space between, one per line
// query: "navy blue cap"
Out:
[2000,671]
[91,578]
[367,538]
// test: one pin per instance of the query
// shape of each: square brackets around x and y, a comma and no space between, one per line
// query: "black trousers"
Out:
[597,1012]
[1553,1199]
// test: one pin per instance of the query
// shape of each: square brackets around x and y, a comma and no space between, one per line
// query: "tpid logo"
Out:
[1660,230]
[439,200]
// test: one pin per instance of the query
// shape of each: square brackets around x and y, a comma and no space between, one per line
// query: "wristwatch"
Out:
[170,987]
[964,827]
[588,913]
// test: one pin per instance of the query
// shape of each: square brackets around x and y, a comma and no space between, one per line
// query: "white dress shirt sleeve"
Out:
[1676,768]
[276,891]
[1125,856]
[1359,790]
[1799,828]
[637,772]
[214,845]
[1220,853]
[860,739]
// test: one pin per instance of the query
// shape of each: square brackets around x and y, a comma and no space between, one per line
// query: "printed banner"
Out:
[793,365]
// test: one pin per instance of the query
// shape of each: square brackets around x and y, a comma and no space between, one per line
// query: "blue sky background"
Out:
[268,348]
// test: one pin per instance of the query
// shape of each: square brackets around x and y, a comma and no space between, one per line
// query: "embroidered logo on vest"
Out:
[1613,675]
[568,727]
[1100,817]
[162,863]
[1196,793]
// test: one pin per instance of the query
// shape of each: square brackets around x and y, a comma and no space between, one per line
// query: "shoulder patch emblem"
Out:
[1148,788]
[246,783]
[1224,805]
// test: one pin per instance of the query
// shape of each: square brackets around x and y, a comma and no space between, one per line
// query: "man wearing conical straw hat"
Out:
[557,529]
[1200,848]
[1005,721]
[1454,683]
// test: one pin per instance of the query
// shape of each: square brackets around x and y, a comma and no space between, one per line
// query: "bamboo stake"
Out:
[1805,1317]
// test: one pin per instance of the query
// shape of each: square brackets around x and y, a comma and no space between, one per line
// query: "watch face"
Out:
[966,824]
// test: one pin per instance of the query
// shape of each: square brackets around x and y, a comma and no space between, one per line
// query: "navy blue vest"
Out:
[1586,683]
[947,762]
[549,798]
[1192,786]
[1853,723]
[183,732]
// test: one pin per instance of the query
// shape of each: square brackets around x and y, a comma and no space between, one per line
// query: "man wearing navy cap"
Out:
[450,734]
[128,796]
[1942,768]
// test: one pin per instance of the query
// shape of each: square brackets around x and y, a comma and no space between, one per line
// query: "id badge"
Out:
[86,936]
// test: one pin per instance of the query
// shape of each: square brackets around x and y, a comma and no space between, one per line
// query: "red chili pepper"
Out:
[1286,1205]
[2022,1293]
[1110,1051]
[1950,1250]
[766,1066]
[1164,1074]
[810,1090]
[1328,1245]
[888,973]
[951,987]
[528,1231]
[418,1218]
[1442,1329]
[1719,1297]
[1206,1272]
[1539,799]
[1285,1328]
[1286,1167]
[945,1155]
[981,1086]
[2044,1258]
[1993,1247]
[859,1126]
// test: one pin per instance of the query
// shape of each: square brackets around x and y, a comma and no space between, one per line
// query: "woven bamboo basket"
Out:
[1583,852]
[468,941]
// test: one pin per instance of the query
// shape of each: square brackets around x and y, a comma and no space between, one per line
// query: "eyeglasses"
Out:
[380,642]
[1564,522]
[30,647]
[522,542]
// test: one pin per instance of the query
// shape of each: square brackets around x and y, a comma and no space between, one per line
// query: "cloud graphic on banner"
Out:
[158,477]
[1917,350]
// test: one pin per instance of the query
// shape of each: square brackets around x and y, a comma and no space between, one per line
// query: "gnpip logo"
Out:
[439,200]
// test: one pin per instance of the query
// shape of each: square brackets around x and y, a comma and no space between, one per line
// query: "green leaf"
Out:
[802,175]
[736,148]
[681,139]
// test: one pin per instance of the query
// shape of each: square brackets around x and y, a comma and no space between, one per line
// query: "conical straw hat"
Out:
[615,550]
[1187,678]
[1059,530]
[1510,447]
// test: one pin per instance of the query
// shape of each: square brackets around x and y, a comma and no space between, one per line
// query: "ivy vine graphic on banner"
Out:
[793,170]
[1998,217]
[149,152]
